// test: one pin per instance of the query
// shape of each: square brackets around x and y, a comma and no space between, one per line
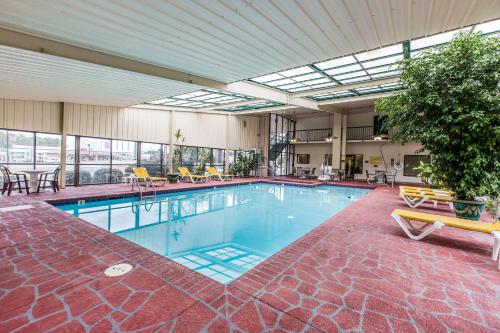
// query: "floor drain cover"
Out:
[118,270]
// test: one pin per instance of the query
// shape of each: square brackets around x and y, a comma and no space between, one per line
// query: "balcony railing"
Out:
[311,135]
[366,133]
[363,133]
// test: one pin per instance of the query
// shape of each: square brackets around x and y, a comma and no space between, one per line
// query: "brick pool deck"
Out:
[356,272]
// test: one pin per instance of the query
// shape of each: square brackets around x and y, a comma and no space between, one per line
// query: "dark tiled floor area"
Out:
[356,272]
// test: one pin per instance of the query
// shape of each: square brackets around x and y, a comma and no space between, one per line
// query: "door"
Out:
[349,166]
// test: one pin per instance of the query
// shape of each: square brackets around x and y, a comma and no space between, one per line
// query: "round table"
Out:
[34,174]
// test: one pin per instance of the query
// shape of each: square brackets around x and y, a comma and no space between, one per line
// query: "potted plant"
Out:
[450,105]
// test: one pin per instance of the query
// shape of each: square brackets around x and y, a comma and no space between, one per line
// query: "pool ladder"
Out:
[145,198]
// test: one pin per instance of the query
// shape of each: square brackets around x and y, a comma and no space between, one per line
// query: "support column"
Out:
[226,147]
[171,142]
[64,133]
[337,138]
[344,142]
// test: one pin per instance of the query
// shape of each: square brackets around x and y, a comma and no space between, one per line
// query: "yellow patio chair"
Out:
[212,172]
[432,222]
[186,175]
[142,174]
[415,199]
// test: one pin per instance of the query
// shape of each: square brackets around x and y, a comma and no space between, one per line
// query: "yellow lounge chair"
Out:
[433,222]
[142,174]
[415,199]
[424,190]
[220,176]
[186,175]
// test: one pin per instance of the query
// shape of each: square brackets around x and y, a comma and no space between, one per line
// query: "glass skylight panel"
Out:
[267,78]
[290,86]
[382,52]
[161,101]
[378,69]
[307,77]
[296,71]
[313,82]
[488,27]
[335,62]
[435,39]
[344,69]
[192,94]
[349,75]
[207,96]
[355,79]
[385,74]
[383,61]
[280,82]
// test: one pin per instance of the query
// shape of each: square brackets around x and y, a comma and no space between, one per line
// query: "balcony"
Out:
[319,135]
[324,135]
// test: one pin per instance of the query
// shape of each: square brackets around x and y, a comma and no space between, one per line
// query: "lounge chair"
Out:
[142,174]
[407,188]
[187,176]
[212,173]
[415,199]
[433,222]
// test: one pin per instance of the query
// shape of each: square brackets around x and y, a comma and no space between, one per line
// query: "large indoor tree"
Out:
[450,105]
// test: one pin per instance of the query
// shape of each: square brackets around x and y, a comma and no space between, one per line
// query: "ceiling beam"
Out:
[34,43]
[264,110]
[347,87]
[258,91]
[356,98]
[230,105]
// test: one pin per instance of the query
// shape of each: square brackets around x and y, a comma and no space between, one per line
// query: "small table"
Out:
[34,174]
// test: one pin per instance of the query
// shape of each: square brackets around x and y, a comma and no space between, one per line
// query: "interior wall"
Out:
[30,115]
[360,119]
[314,122]
[137,124]
[316,153]
[244,132]
[117,123]
[389,151]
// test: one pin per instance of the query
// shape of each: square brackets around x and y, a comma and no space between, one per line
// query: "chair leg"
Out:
[19,184]
[27,185]
[4,187]
[425,231]
[11,187]
[496,245]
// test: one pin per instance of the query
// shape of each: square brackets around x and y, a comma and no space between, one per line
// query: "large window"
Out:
[98,160]
[413,161]
[95,161]
[123,159]
[151,158]
[22,150]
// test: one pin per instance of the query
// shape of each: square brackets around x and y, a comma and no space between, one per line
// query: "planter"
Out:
[172,178]
[468,209]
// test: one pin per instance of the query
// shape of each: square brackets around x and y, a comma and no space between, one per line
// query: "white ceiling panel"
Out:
[37,76]
[231,40]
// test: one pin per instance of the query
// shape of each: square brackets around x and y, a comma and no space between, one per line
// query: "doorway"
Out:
[353,165]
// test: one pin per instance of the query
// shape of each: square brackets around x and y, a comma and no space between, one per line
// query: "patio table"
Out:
[34,174]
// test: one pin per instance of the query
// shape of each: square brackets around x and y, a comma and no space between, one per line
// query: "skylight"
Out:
[251,106]
[360,67]
[202,98]
[363,91]
[363,66]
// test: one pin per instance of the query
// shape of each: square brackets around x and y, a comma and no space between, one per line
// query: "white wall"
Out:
[138,124]
[360,119]
[317,153]
[389,151]
[314,123]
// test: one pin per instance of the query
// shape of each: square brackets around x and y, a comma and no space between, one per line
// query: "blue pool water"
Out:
[221,232]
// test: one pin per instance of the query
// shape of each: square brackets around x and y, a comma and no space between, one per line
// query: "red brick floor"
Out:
[355,272]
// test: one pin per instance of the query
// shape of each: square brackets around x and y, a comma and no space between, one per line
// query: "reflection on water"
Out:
[220,233]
